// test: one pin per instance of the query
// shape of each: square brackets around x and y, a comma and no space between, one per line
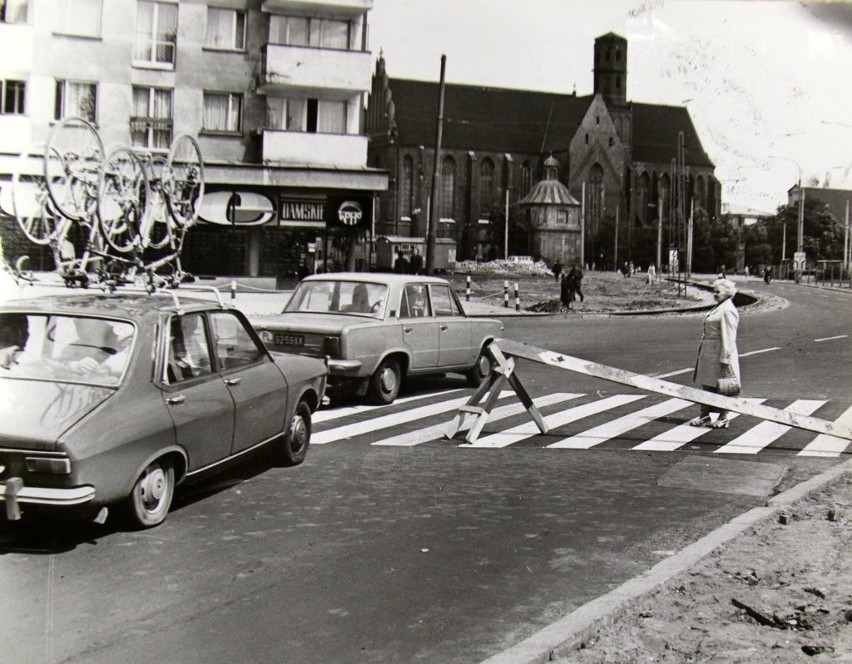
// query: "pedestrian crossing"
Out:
[579,421]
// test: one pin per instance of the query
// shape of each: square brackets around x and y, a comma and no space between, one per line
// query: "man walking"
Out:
[575,277]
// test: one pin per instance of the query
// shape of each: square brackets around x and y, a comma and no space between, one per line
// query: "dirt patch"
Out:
[604,292]
[781,592]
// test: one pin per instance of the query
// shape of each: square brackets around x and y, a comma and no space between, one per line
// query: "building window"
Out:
[611,141]
[226,29]
[315,32]
[13,11]
[81,18]
[526,178]
[308,115]
[75,99]
[486,186]
[448,189]
[222,112]
[156,33]
[406,186]
[151,124]
[14,97]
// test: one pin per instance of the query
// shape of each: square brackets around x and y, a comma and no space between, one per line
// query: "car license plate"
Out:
[281,339]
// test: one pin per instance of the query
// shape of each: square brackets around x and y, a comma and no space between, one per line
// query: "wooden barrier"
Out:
[504,372]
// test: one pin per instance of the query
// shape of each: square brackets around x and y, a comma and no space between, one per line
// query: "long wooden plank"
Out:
[642,382]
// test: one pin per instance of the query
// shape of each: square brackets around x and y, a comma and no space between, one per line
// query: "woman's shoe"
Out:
[700,421]
[720,423]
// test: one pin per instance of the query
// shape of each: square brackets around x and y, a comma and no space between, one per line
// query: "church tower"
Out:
[611,69]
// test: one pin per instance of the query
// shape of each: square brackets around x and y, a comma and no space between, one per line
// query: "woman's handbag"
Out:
[729,385]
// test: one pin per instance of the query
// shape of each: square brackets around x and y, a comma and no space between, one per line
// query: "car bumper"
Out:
[346,368]
[14,494]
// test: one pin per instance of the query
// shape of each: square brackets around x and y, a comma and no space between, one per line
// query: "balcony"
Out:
[332,150]
[286,68]
[347,8]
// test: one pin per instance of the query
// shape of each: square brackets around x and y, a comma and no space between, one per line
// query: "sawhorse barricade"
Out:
[503,371]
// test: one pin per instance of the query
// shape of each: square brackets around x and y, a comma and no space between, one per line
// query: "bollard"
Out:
[467,290]
[517,298]
[506,294]
[233,289]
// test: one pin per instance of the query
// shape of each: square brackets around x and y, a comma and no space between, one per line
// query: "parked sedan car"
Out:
[376,329]
[116,398]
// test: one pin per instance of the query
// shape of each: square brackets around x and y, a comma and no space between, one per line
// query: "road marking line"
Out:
[385,421]
[839,336]
[678,372]
[670,440]
[679,436]
[604,432]
[337,413]
[436,432]
[829,446]
[529,429]
[765,433]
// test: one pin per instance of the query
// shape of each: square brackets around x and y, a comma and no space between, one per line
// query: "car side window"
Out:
[189,352]
[235,347]
[416,301]
[443,301]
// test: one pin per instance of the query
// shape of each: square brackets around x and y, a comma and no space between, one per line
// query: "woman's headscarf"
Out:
[725,286]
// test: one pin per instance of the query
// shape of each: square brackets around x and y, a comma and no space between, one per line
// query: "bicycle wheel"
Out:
[158,223]
[122,195]
[183,180]
[72,159]
[30,200]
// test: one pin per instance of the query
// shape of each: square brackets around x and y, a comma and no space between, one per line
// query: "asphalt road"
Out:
[377,549]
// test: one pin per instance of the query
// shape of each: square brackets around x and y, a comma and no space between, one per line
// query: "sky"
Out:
[768,83]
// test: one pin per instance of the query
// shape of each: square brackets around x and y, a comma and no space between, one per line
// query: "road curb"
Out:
[562,637]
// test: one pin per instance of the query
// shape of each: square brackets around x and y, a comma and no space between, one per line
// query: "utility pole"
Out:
[659,233]
[436,175]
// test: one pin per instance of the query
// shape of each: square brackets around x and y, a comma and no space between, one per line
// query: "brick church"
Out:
[624,176]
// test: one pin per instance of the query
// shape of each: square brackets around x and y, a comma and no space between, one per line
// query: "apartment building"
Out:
[273,90]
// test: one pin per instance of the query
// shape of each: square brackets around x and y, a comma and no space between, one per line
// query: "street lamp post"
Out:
[800,233]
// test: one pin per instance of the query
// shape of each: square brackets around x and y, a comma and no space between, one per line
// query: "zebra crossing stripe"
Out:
[765,433]
[337,413]
[435,432]
[604,432]
[670,440]
[829,446]
[385,421]
[529,429]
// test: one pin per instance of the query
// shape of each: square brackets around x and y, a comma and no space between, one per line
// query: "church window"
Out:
[406,186]
[448,188]
[486,186]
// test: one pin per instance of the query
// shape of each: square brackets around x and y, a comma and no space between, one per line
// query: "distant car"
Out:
[376,329]
[116,398]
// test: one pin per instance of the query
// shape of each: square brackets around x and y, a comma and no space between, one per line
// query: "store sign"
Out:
[302,213]
[349,211]
[236,208]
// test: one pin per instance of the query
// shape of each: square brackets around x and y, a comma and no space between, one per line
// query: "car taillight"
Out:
[331,346]
[48,465]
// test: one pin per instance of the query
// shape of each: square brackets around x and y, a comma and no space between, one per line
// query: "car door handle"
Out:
[233,381]
[180,398]
[407,329]
[444,328]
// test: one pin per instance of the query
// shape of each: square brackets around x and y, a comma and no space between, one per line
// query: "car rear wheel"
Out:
[151,497]
[385,382]
[480,371]
[295,446]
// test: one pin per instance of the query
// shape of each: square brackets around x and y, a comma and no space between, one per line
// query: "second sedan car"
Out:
[376,329]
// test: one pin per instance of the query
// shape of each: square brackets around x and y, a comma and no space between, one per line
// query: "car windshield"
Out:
[339,296]
[73,349]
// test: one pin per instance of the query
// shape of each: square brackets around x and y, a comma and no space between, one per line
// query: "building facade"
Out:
[273,90]
[633,167]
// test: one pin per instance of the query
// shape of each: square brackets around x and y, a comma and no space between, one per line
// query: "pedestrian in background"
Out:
[718,357]
[575,277]
[557,270]
[566,293]
[416,262]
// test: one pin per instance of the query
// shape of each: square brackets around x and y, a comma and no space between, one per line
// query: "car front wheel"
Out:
[385,382]
[151,497]
[480,371]
[295,446]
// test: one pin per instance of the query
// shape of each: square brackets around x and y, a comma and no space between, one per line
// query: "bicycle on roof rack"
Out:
[129,209]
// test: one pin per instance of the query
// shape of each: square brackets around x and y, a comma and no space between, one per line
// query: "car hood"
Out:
[37,413]
[316,323]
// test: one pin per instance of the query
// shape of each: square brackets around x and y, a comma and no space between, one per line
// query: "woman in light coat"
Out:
[718,355]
